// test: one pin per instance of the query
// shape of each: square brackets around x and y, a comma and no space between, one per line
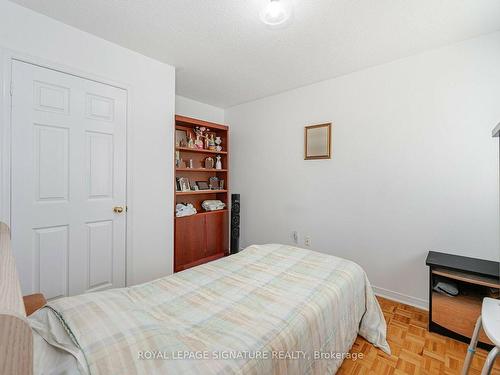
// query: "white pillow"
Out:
[54,352]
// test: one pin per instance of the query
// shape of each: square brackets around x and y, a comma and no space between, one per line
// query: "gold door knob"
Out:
[118,209]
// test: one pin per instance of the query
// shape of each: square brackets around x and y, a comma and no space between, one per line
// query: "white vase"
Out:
[218,163]
[218,142]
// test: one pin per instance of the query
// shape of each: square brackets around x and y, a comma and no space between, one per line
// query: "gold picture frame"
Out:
[318,141]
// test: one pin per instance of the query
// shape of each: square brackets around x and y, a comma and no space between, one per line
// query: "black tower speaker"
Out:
[235,223]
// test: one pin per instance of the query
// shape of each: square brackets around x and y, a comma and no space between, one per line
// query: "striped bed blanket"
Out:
[270,309]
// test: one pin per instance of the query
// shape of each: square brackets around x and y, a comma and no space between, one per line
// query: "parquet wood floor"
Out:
[415,351]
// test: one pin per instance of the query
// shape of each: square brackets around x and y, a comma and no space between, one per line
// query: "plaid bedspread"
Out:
[271,309]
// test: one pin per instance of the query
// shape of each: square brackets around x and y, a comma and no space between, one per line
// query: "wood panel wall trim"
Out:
[16,340]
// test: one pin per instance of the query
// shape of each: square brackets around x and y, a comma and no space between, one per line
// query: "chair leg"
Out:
[471,350]
[490,361]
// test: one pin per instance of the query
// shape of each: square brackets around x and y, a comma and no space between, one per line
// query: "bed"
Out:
[270,309]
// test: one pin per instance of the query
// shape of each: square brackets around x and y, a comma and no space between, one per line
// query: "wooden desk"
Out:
[455,317]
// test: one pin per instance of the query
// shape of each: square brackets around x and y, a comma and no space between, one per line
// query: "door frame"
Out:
[7,58]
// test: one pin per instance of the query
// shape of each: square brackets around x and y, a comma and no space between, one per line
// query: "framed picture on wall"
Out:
[318,141]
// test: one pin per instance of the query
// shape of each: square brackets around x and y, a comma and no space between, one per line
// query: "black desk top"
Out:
[461,263]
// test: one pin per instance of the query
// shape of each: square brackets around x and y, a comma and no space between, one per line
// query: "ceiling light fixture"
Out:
[276,13]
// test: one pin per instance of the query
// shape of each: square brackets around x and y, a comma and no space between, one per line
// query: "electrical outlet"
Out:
[307,241]
[295,237]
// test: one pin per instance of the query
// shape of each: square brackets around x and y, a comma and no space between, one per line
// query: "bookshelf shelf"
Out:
[200,170]
[199,192]
[187,149]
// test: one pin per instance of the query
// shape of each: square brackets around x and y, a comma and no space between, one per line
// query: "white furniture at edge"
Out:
[489,320]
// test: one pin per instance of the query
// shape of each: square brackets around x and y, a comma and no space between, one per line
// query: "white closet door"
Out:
[68,175]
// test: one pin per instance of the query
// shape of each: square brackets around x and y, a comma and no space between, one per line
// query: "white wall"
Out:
[414,166]
[152,98]
[192,108]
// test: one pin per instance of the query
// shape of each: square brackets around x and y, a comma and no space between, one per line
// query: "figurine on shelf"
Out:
[211,142]
[218,142]
[198,143]
[209,163]
[204,139]
[218,163]
[177,159]
[190,143]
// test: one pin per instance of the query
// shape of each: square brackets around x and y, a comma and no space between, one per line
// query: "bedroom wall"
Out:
[152,98]
[192,108]
[414,166]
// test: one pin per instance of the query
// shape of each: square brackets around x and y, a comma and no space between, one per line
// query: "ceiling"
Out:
[225,55]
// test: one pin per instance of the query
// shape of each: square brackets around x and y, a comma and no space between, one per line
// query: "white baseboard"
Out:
[402,298]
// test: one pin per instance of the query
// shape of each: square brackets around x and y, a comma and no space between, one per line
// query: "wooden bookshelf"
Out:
[202,237]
